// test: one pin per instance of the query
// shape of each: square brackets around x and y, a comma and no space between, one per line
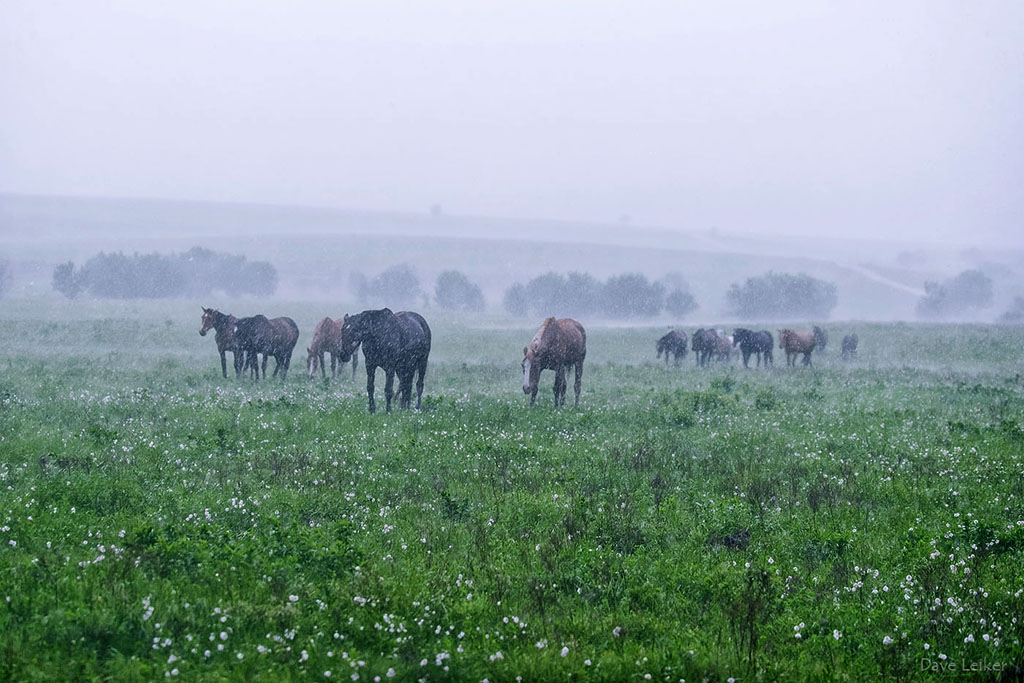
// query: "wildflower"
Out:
[836,634]
[887,641]
[565,651]
[616,632]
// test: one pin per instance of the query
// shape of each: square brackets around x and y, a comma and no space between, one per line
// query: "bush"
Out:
[1015,314]
[396,286]
[455,292]
[782,295]
[632,296]
[680,304]
[197,272]
[970,290]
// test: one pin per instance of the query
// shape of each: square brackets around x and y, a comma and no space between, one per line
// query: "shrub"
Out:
[782,295]
[455,292]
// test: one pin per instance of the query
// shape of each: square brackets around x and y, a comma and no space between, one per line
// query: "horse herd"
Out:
[716,344]
[399,343]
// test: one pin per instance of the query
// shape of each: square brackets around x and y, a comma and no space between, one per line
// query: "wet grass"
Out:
[849,521]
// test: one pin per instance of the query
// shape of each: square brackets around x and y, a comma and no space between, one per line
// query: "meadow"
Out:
[850,521]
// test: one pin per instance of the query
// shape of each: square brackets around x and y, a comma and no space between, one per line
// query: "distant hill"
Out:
[317,249]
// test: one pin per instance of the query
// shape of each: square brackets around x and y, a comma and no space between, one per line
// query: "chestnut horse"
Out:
[327,339]
[275,338]
[224,324]
[558,345]
[794,343]
[398,342]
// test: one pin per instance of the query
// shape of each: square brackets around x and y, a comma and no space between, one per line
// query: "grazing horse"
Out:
[398,342]
[754,342]
[704,343]
[224,325]
[820,338]
[327,339]
[675,343]
[850,342]
[794,343]
[723,346]
[560,343]
[275,338]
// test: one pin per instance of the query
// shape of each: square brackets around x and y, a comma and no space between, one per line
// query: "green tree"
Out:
[455,292]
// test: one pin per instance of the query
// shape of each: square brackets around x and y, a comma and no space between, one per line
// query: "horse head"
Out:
[208,320]
[531,371]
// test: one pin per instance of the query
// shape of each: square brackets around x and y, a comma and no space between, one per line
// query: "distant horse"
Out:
[558,345]
[224,325]
[754,342]
[704,343]
[675,343]
[327,339]
[275,338]
[820,338]
[723,346]
[398,342]
[850,342]
[794,343]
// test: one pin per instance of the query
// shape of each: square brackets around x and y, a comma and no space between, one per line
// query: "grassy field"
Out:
[846,522]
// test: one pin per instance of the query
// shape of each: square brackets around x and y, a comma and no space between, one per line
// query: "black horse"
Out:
[850,342]
[750,342]
[398,342]
[276,338]
[820,338]
[704,343]
[675,343]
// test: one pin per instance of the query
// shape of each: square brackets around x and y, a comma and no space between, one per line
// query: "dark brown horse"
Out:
[704,343]
[558,345]
[398,342]
[849,349]
[751,342]
[224,325]
[327,339]
[795,343]
[675,343]
[275,338]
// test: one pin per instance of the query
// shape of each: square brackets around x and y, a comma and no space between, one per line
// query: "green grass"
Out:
[681,523]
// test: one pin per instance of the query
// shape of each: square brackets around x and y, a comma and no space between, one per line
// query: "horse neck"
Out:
[222,321]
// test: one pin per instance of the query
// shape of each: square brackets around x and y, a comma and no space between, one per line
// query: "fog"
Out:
[870,146]
[872,119]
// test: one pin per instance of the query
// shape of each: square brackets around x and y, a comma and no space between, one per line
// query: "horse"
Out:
[275,338]
[704,343]
[754,342]
[675,343]
[820,338]
[850,342]
[794,343]
[224,325]
[560,343]
[397,342]
[327,339]
[723,346]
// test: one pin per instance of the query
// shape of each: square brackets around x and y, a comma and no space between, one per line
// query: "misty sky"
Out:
[879,119]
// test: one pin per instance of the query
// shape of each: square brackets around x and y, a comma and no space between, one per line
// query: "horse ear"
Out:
[524,351]
[346,317]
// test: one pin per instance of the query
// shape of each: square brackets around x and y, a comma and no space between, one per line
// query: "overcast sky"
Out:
[878,119]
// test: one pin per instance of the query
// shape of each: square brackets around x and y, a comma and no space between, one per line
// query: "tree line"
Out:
[196,272]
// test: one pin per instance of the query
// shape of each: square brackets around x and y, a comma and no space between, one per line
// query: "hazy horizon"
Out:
[872,121]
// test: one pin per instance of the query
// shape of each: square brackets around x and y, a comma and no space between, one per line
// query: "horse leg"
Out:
[579,383]
[559,385]
[224,363]
[371,372]
[389,384]
[419,383]
[807,358]
[334,363]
